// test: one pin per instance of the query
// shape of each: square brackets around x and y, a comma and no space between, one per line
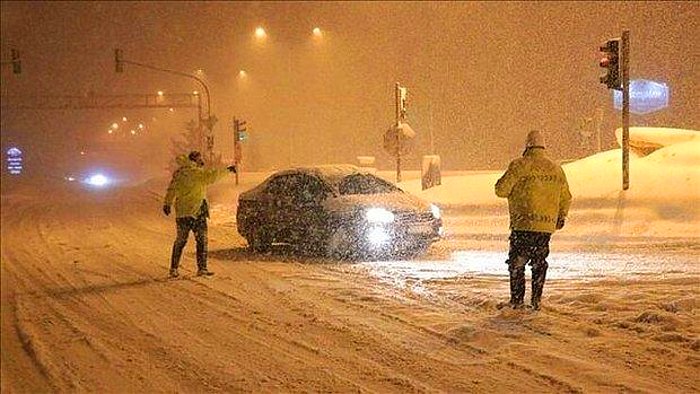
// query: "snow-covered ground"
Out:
[86,306]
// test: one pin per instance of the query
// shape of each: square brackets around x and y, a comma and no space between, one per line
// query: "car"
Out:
[340,211]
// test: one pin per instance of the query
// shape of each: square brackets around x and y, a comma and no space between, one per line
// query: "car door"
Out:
[279,205]
[310,222]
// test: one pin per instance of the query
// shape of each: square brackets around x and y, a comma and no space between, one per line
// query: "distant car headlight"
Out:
[379,215]
[98,180]
[435,210]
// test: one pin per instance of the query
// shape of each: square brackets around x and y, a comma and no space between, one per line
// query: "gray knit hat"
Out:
[535,138]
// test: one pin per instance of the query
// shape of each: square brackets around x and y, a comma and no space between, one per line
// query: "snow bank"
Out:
[663,199]
[660,136]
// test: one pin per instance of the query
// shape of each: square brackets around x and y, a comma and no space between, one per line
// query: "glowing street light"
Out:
[160,93]
[195,92]
[124,119]
[317,32]
[242,74]
[115,126]
[260,33]
[141,126]
[110,131]
[133,132]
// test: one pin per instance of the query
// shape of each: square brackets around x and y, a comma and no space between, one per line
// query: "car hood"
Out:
[394,202]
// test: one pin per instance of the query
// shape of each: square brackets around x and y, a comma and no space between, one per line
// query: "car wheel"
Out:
[260,240]
[340,245]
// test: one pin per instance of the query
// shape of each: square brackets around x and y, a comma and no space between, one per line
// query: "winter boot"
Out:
[204,272]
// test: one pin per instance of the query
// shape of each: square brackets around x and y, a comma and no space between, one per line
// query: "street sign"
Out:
[645,97]
[398,140]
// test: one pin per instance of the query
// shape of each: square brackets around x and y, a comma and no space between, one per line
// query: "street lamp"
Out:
[317,32]
[260,33]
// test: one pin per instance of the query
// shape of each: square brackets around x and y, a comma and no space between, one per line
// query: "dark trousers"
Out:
[527,247]
[199,227]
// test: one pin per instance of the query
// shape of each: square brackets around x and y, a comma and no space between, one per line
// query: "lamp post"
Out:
[119,66]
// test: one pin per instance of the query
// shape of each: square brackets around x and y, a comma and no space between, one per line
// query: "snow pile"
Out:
[663,199]
[658,136]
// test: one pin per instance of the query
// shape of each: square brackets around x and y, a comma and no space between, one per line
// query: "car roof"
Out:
[331,174]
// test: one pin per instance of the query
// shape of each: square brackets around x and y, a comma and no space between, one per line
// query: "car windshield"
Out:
[365,184]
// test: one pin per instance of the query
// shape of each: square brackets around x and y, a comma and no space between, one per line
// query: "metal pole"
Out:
[397,95]
[200,81]
[625,109]
[599,125]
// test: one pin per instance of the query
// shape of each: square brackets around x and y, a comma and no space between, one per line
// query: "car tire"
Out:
[340,245]
[260,241]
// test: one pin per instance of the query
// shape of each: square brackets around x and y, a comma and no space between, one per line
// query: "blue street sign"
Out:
[645,96]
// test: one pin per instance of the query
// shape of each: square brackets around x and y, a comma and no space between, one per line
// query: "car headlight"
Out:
[379,215]
[435,210]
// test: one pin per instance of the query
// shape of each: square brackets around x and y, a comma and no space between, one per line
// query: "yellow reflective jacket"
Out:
[537,191]
[188,187]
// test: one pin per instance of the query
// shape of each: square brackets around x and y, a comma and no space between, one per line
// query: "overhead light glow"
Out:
[124,119]
[260,32]
[317,32]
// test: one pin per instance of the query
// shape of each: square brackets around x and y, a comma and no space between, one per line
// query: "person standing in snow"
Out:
[538,202]
[188,189]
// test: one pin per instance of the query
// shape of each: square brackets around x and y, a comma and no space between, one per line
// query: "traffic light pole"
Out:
[625,109]
[398,132]
[120,61]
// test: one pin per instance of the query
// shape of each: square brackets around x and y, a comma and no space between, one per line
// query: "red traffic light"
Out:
[604,62]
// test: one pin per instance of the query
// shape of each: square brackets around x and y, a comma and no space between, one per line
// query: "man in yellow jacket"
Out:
[188,189]
[538,201]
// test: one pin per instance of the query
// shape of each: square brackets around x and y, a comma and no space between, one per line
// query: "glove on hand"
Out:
[232,168]
[166,210]
[560,223]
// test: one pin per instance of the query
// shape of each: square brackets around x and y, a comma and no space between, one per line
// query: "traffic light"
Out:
[16,62]
[118,64]
[403,101]
[611,62]
[239,130]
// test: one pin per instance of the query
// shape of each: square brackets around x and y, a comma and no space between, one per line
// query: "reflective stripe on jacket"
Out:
[188,186]
[537,191]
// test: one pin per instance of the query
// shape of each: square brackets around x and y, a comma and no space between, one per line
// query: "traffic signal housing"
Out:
[118,63]
[239,130]
[611,63]
[16,61]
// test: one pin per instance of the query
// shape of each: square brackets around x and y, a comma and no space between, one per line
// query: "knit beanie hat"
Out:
[534,139]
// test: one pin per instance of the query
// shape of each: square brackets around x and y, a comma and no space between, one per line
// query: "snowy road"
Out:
[86,307]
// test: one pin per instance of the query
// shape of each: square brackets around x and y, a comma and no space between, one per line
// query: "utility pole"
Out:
[625,109]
